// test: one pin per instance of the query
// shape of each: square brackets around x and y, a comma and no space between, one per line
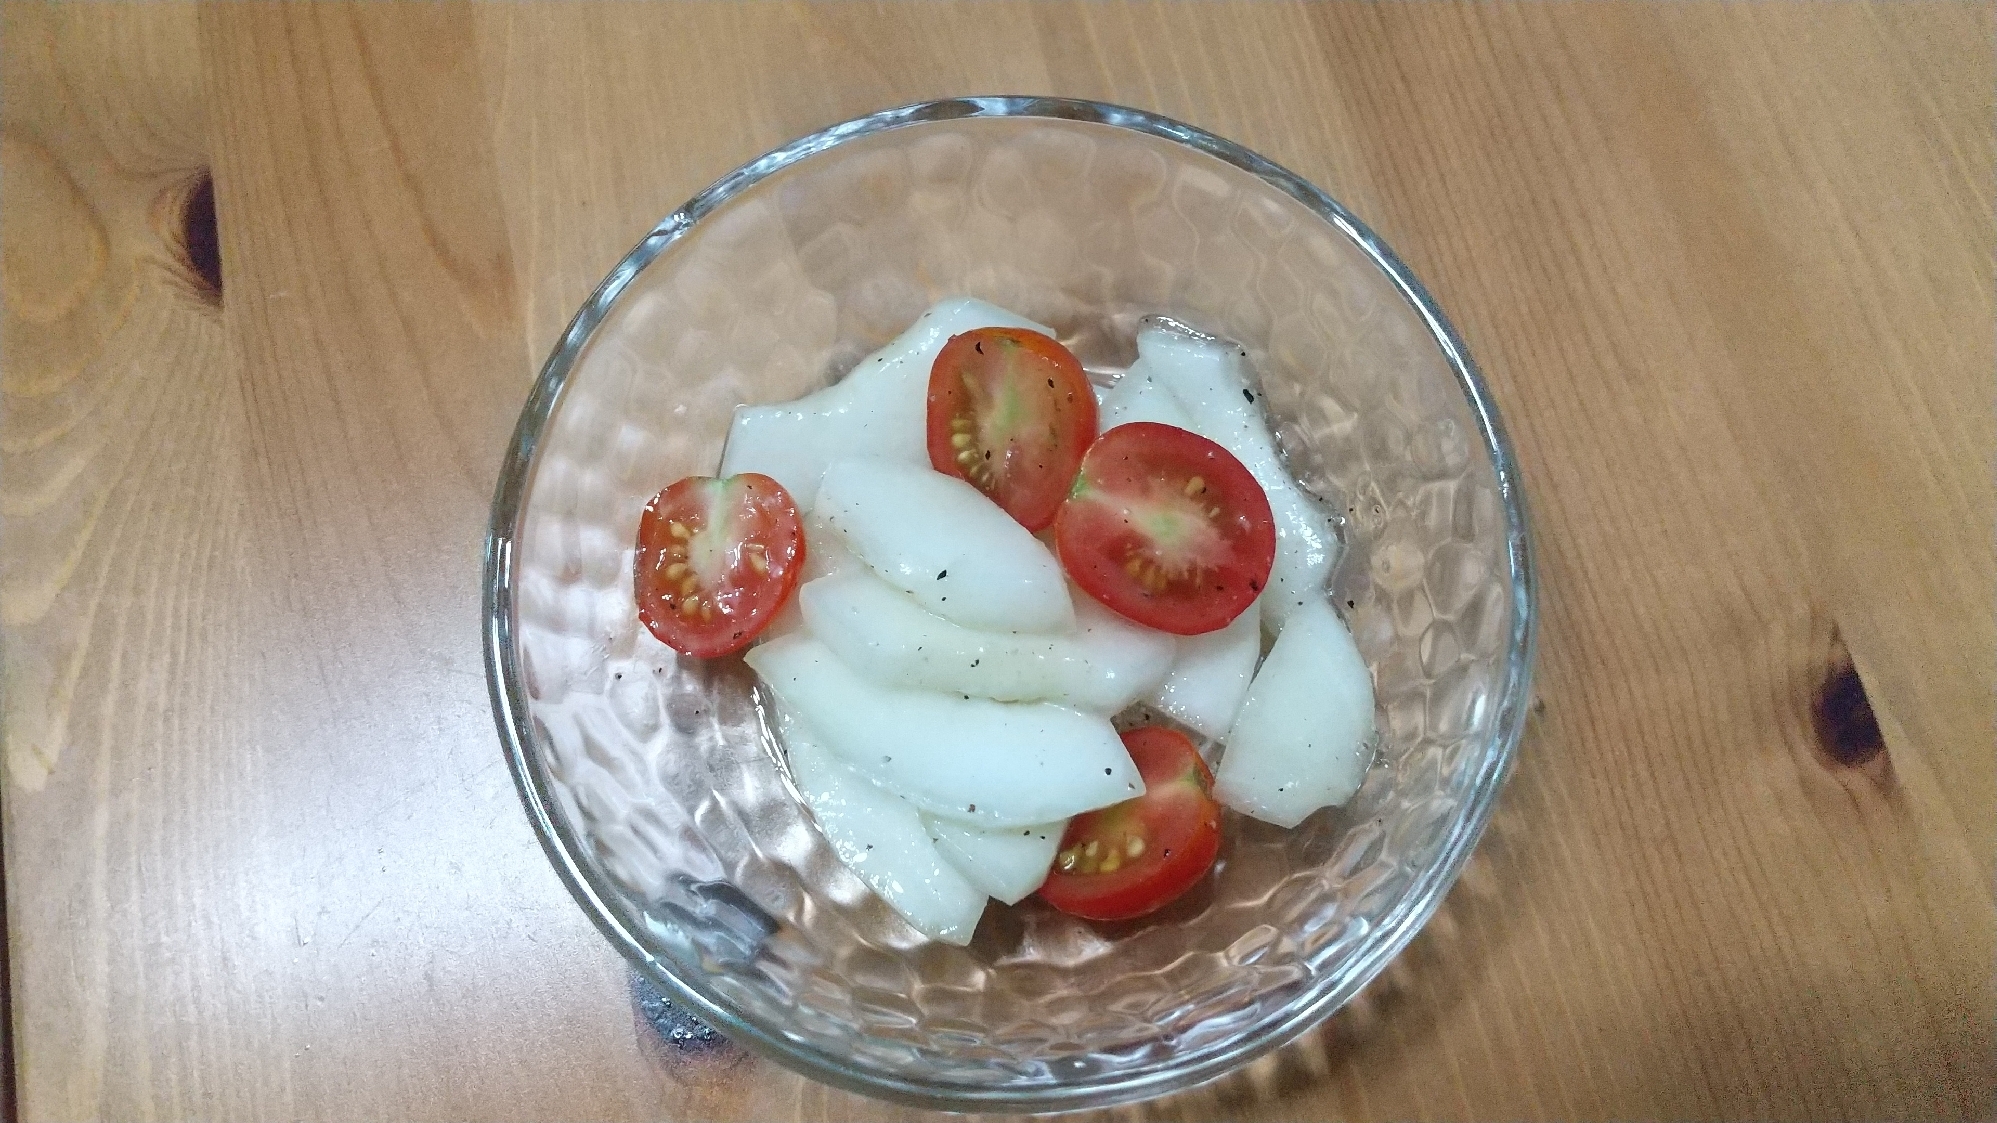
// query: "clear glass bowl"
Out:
[655,782]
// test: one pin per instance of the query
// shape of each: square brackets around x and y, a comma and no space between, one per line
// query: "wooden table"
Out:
[1728,268]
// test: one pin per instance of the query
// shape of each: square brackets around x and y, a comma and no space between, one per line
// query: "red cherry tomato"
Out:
[1010,412]
[1167,528]
[716,560]
[1140,855]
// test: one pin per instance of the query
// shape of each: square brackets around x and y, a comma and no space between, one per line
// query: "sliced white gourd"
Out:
[944,543]
[1302,738]
[989,764]
[877,630]
[1210,675]
[1210,379]
[883,839]
[1008,863]
[825,555]
[1138,397]
[880,409]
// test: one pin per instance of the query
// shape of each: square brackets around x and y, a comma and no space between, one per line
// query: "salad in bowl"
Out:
[1009,604]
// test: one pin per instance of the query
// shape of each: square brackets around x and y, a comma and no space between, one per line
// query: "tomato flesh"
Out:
[1167,528]
[716,559]
[1010,413]
[1142,854]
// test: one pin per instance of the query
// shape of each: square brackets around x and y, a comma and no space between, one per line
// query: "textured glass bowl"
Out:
[655,782]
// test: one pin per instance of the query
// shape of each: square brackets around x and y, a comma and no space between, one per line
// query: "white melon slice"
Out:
[1210,379]
[825,555]
[1102,666]
[883,839]
[1138,397]
[880,409]
[1302,739]
[1210,676]
[989,764]
[1008,864]
[944,543]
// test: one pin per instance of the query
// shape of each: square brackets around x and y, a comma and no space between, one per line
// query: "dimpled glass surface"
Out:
[663,783]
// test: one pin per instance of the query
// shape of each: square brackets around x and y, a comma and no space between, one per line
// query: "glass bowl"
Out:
[655,782]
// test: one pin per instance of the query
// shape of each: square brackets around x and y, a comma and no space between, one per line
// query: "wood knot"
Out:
[1846,727]
[200,241]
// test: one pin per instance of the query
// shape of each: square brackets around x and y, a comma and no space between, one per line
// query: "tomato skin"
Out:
[1167,528]
[1011,413]
[1173,830]
[716,560]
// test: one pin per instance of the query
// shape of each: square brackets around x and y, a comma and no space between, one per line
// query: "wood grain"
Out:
[1728,269]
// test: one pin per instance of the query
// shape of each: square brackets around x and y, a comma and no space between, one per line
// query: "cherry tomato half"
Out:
[1010,412]
[1139,855]
[716,560]
[1167,528]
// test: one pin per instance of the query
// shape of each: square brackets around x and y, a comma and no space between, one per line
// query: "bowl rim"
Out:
[599,899]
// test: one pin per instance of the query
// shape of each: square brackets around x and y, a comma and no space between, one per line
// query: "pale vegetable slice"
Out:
[883,839]
[1302,739]
[989,764]
[1138,397]
[1210,676]
[1210,379]
[1008,864]
[825,555]
[877,630]
[944,543]
[880,409]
